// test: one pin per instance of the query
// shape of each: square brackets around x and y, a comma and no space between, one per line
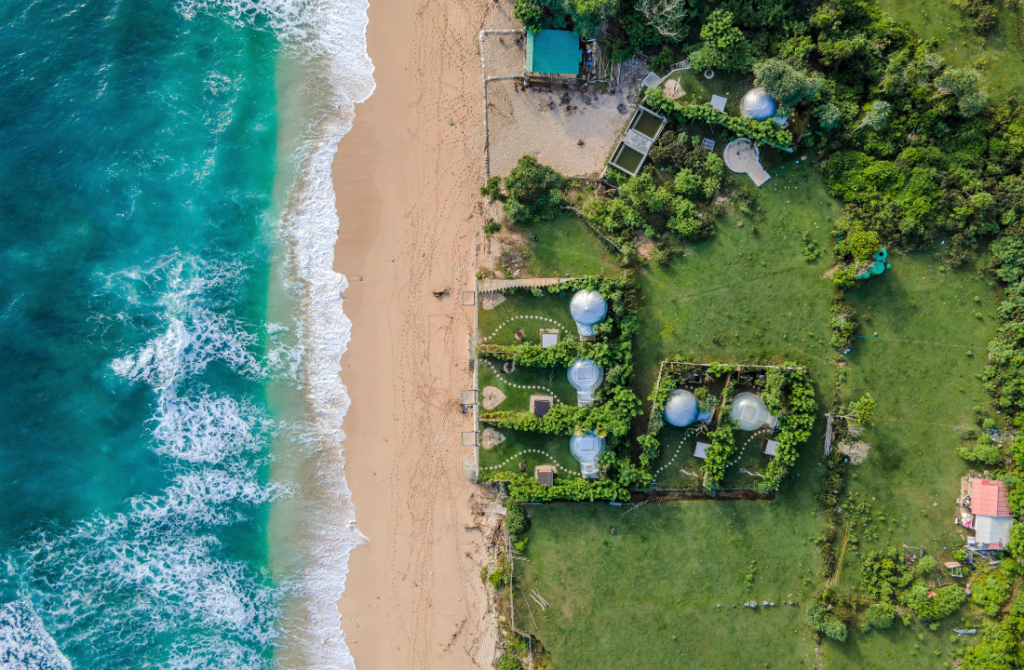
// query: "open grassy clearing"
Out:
[528,313]
[649,594]
[1001,52]
[519,385]
[699,89]
[566,244]
[519,446]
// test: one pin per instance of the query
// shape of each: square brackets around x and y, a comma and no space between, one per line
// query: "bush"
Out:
[492,227]
[516,521]
[941,604]
[823,621]
[881,616]
[499,577]
[992,592]
[924,566]
[509,662]
[883,573]
[534,191]
[985,451]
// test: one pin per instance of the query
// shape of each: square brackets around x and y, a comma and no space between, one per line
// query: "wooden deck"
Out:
[489,285]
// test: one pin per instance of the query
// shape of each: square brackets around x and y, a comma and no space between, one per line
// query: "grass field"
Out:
[528,313]
[524,382]
[519,446]
[746,295]
[698,90]
[1001,53]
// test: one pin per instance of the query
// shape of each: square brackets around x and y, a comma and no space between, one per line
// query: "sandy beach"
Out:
[407,179]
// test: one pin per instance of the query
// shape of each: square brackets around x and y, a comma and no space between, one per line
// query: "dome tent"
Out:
[587,449]
[759,106]
[750,411]
[681,408]
[585,376]
[588,308]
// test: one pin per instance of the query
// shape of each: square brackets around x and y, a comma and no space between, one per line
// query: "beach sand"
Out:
[407,178]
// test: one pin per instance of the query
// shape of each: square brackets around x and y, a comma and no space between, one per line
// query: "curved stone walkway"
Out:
[523,316]
[760,432]
[679,449]
[555,464]
[520,386]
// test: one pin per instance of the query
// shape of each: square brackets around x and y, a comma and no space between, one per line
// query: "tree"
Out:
[933,605]
[724,45]
[964,84]
[828,115]
[787,85]
[671,18]
[875,115]
[686,220]
[509,662]
[534,191]
[529,13]
[492,190]
[860,411]
[881,615]
[823,621]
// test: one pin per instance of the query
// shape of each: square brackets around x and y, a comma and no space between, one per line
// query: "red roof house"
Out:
[988,498]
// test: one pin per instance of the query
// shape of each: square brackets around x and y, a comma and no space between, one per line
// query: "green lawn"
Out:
[521,384]
[529,313]
[726,84]
[649,593]
[519,446]
[566,245]
[1002,52]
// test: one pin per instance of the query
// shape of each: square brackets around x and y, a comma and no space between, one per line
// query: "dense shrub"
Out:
[821,620]
[516,520]
[532,192]
[509,662]
[992,591]
[880,615]
[883,574]
[933,605]
[760,132]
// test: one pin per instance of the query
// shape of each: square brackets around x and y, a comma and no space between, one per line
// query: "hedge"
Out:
[759,132]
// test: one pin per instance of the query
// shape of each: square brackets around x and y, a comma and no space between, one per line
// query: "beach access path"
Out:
[407,178]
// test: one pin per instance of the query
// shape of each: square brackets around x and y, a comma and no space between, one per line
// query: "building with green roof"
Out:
[553,52]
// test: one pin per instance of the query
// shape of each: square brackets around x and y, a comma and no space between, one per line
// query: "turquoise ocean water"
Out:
[171,484]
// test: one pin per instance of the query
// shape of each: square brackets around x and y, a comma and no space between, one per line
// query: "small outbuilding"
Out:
[770,447]
[701,450]
[545,475]
[553,52]
[992,516]
[585,376]
[588,308]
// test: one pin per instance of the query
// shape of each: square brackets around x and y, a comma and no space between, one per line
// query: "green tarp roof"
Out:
[553,52]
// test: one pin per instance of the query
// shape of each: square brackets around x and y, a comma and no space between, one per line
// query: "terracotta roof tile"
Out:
[988,498]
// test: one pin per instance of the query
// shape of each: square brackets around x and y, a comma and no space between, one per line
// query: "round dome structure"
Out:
[587,308]
[749,411]
[759,106]
[585,376]
[681,408]
[587,449]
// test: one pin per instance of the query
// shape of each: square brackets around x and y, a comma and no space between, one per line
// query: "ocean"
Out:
[171,470]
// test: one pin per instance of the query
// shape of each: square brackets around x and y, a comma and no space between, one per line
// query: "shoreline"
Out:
[406,179]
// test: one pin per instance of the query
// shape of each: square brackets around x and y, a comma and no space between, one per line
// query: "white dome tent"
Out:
[759,106]
[681,408]
[750,412]
[587,449]
[588,308]
[585,376]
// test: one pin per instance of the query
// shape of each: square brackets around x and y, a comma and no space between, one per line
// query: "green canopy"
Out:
[553,52]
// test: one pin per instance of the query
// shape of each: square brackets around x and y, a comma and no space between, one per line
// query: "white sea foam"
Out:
[208,429]
[24,642]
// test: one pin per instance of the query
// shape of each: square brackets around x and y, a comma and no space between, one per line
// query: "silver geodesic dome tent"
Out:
[587,449]
[585,376]
[759,106]
[750,411]
[681,408]
[587,308]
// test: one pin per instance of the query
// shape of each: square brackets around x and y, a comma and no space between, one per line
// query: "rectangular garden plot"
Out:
[716,426]
[553,374]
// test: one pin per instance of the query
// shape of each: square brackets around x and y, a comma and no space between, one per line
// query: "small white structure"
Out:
[587,449]
[770,447]
[588,308]
[750,412]
[992,516]
[585,376]
[548,340]
[701,450]
[718,102]
[743,157]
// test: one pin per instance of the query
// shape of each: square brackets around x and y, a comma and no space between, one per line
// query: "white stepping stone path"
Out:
[675,454]
[553,463]
[758,433]
[522,316]
[679,449]
[519,386]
